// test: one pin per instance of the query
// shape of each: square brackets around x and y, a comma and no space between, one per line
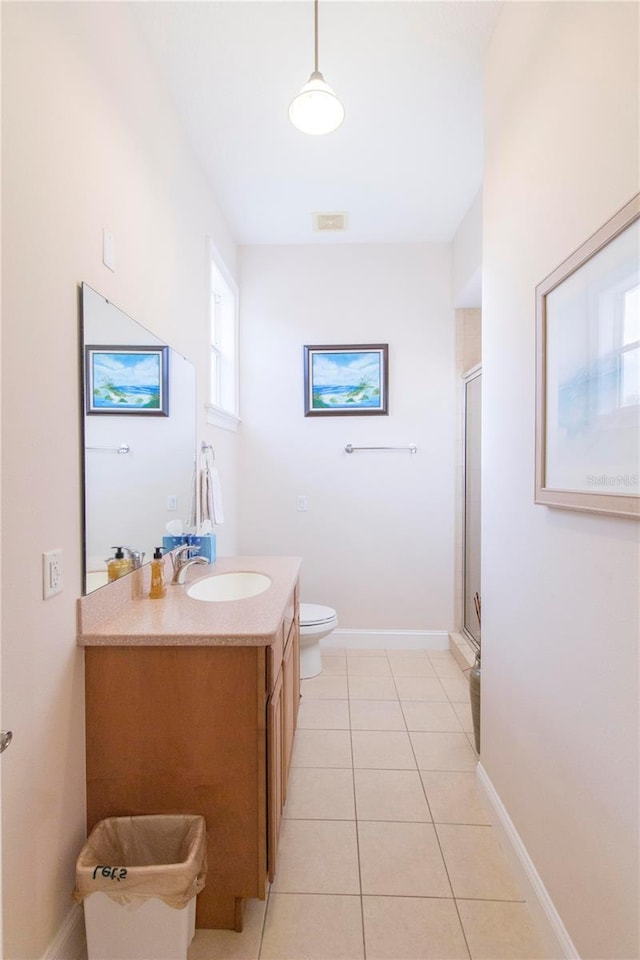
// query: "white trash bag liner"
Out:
[133,859]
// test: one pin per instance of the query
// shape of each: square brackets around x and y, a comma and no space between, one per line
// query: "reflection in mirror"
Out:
[138,467]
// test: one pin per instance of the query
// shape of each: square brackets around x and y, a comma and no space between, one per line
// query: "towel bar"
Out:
[121,448]
[411,448]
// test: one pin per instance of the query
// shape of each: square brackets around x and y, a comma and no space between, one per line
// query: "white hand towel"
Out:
[211,495]
[216,492]
[192,519]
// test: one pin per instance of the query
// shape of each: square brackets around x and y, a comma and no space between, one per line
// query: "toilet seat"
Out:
[316,623]
[314,614]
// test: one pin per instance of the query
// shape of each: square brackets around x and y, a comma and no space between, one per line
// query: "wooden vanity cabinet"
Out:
[199,730]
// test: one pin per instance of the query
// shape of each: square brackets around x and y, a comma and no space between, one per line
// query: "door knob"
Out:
[6,737]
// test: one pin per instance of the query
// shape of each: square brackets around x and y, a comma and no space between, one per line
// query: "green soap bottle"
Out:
[158,588]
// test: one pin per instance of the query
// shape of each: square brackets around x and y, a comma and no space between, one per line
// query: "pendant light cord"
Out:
[315,19]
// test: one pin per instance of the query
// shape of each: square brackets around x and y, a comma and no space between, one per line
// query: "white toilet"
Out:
[316,622]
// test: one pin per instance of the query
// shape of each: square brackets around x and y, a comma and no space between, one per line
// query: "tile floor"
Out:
[386,852]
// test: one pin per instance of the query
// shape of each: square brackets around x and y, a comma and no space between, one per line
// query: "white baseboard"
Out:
[388,639]
[70,942]
[548,922]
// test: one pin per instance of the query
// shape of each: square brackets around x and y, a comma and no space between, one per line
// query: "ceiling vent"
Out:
[329,222]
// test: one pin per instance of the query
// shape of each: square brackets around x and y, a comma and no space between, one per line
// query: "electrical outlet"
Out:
[51,573]
[172,502]
[302,504]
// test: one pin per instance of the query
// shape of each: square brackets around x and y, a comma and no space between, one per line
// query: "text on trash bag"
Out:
[111,873]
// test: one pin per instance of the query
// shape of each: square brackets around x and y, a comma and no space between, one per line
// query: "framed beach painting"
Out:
[127,380]
[349,380]
[588,374]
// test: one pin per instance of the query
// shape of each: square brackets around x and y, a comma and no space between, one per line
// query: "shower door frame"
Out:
[472,374]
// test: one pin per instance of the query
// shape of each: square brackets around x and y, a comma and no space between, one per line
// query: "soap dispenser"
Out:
[119,565]
[158,588]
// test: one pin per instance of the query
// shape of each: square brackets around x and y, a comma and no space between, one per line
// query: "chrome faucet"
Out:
[182,561]
[136,557]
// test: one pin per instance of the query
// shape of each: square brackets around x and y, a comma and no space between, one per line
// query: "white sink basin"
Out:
[229,586]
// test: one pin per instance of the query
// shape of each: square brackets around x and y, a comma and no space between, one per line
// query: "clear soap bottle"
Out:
[158,587]
[119,565]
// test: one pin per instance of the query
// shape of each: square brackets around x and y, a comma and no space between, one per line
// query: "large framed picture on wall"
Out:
[588,374]
[346,380]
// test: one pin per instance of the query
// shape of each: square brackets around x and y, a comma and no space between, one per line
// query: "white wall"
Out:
[377,540]
[466,258]
[88,141]
[560,589]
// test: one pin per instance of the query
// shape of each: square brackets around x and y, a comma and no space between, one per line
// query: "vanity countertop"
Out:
[122,614]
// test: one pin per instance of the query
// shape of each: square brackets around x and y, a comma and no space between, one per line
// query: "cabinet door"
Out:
[275,796]
[289,687]
[296,669]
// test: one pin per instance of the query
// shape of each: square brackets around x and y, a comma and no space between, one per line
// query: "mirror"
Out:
[139,438]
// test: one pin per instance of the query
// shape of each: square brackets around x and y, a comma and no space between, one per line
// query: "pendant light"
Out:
[316,109]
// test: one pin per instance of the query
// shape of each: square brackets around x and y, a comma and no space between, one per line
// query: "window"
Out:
[222,409]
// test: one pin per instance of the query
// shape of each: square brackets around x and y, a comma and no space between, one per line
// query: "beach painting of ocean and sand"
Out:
[350,379]
[127,380]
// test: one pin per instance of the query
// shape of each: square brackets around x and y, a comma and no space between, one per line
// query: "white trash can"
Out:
[138,878]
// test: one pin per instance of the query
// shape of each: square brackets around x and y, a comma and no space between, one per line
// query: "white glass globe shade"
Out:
[316,109]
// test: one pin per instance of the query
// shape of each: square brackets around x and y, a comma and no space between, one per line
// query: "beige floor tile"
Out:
[390,795]
[382,750]
[402,860]
[420,688]
[470,737]
[463,712]
[364,652]
[411,667]
[447,668]
[500,931]
[454,797]
[412,928]
[320,794]
[325,687]
[456,688]
[308,927]
[372,688]
[323,714]
[421,715]
[332,651]
[393,654]
[229,945]
[476,864]
[441,655]
[334,666]
[443,751]
[317,856]
[322,748]
[376,715]
[368,667]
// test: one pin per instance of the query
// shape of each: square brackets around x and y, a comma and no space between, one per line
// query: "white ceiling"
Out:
[407,161]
